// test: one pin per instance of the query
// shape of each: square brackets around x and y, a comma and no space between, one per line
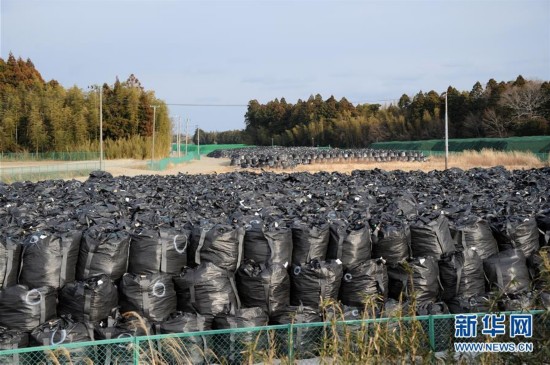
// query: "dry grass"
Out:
[466,160]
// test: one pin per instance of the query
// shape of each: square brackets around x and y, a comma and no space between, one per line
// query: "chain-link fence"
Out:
[541,156]
[535,144]
[422,338]
[194,152]
[206,148]
[59,156]
[46,172]
[160,165]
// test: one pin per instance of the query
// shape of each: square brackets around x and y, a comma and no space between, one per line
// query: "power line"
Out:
[207,105]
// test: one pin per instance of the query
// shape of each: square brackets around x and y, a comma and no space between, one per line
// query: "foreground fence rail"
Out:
[388,339]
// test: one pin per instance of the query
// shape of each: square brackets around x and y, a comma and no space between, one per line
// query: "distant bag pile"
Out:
[81,261]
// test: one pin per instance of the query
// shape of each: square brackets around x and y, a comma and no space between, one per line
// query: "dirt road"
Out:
[206,165]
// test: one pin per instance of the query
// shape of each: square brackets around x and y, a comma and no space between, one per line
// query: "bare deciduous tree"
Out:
[494,124]
[524,101]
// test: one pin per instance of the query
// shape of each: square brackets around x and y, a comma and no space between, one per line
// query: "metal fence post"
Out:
[431,331]
[290,344]
[136,351]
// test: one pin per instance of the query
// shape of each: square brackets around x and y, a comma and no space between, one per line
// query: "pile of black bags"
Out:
[288,157]
[81,261]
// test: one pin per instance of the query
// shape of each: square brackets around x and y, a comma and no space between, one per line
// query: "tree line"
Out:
[39,116]
[500,109]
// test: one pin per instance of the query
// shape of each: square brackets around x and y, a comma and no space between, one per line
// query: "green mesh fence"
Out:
[422,338]
[47,172]
[194,152]
[206,148]
[59,156]
[163,164]
[535,144]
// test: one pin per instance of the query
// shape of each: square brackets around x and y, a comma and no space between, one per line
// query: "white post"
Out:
[186,134]
[198,143]
[154,127]
[446,134]
[101,128]
[178,137]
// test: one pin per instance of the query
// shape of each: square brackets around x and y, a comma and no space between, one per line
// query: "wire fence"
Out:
[59,156]
[46,172]
[535,144]
[194,152]
[163,164]
[206,148]
[541,156]
[361,341]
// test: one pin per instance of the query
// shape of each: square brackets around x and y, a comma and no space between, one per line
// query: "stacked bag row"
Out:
[288,157]
[185,261]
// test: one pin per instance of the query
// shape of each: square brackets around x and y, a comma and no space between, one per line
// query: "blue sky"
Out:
[229,52]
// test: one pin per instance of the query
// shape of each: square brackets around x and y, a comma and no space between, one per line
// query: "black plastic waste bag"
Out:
[10,256]
[103,250]
[158,250]
[307,340]
[23,309]
[90,300]
[49,258]
[310,242]
[13,339]
[267,287]
[206,289]
[189,349]
[351,244]
[241,346]
[219,244]
[391,241]
[152,295]
[61,331]
[431,238]
[507,272]
[364,283]
[475,233]
[424,284]
[517,232]
[315,282]
[269,244]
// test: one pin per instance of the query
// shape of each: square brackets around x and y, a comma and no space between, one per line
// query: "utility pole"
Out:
[178,139]
[101,128]
[154,127]
[446,134]
[198,142]
[99,88]
[186,134]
